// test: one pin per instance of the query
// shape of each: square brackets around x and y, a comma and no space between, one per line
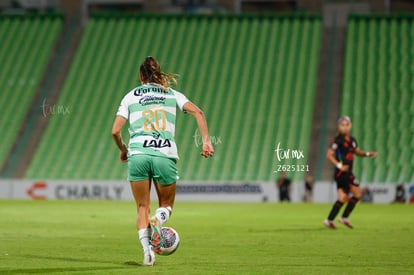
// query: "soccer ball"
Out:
[170,241]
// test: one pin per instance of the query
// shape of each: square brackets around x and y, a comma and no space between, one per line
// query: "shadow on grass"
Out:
[55,269]
[280,230]
[42,270]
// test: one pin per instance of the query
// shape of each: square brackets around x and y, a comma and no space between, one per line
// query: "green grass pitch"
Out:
[99,237]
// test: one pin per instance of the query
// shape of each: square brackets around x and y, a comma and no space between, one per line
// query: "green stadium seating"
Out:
[254,77]
[378,93]
[26,44]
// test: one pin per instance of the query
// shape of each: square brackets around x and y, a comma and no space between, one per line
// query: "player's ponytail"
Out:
[150,71]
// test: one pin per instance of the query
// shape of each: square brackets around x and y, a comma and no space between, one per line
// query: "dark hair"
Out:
[150,71]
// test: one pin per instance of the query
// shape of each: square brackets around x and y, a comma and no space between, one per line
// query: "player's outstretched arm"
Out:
[198,114]
[361,153]
[116,135]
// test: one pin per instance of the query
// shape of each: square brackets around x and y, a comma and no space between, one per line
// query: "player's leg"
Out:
[342,198]
[141,193]
[356,196]
[308,196]
[140,182]
[166,197]
[165,175]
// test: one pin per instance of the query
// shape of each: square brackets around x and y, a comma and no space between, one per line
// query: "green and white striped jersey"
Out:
[151,111]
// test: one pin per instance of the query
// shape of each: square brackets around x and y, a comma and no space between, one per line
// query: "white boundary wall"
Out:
[324,192]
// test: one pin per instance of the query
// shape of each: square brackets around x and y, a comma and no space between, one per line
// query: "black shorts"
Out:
[345,180]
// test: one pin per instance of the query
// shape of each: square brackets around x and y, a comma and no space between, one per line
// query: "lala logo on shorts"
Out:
[157,143]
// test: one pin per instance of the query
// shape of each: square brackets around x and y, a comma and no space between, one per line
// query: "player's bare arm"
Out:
[330,155]
[116,135]
[360,153]
[198,114]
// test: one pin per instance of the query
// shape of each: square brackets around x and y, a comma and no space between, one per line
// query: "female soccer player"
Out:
[341,154]
[152,152]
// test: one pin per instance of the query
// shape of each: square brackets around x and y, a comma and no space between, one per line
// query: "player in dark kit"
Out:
[341,154]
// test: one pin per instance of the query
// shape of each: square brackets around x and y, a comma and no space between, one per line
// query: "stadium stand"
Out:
[254,77]
[378,93]
[26,44]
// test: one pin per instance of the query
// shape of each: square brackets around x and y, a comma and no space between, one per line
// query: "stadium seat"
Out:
[251,75]
[26,44]
[380,96]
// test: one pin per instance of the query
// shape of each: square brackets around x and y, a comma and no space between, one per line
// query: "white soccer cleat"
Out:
[149,258]
[156,238]
[346,222]
[329,224]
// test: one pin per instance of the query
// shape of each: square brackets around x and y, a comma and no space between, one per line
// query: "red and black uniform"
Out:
[344,147]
